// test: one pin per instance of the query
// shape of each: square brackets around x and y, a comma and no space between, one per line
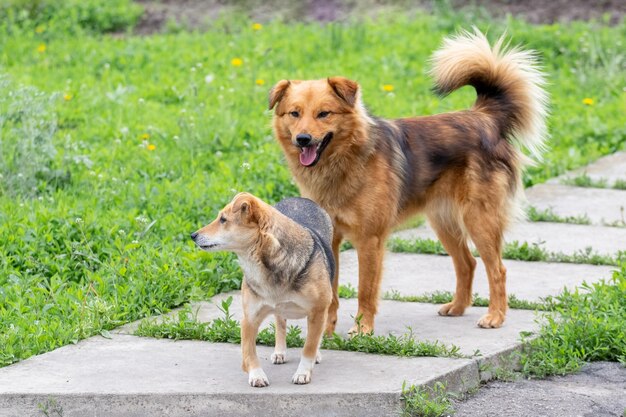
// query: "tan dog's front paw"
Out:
[452,309]
[257,378]
[491,320]
[279,358]
[301,378]
[305,369]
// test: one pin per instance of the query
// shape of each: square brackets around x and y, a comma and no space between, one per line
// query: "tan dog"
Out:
[461,169]
[285,255]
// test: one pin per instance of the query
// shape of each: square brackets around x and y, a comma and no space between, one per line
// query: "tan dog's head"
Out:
[314,115]
[236,227]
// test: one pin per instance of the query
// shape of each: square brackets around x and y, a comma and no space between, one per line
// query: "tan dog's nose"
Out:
[194,235]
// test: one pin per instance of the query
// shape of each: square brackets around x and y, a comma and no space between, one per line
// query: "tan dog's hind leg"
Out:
[455,243]
[370,252]
[486,233]
[280,349]
[315,327]
[331,321]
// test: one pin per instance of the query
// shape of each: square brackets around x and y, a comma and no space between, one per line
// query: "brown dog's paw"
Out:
[491,320]
[452,309]
[362,328]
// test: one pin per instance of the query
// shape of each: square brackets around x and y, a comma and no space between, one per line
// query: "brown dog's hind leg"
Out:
[486,231]
[331,321]
[370,251]
[455,243]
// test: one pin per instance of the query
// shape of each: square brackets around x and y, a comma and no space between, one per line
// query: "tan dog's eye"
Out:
[323,114]
[294,114]
[222,219]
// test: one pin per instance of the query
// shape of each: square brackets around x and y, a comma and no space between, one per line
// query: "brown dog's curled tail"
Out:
[508,83]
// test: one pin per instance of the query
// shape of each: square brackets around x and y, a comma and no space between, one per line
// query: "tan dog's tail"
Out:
[508,83]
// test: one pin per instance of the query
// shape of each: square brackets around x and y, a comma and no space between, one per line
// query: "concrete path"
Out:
[128,375]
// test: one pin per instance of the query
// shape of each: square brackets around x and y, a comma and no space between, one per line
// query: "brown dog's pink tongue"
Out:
[308,155]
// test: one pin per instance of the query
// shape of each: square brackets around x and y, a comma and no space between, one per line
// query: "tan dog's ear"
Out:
[346,89]
[278,92]
[246,205]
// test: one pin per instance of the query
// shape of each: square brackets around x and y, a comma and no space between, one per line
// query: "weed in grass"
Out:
[521,251]
[432,401]
[586,181]
[548,215]
[584,325]
[442,297]
[347,291]
[619,184]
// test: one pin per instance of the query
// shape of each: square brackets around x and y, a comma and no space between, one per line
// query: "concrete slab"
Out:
[412,274]
[400,318]
[131,376]
[553,237]
[610,168]
[602,206]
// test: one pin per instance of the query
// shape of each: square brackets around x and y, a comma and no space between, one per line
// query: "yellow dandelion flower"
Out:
[388,88]
[41,48]
[145,136]
[40,29]
[260,81]
[151,147]
[236,62]
[257,26]
[67,97]
[588,101]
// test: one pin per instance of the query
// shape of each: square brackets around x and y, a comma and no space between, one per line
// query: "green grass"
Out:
[143,139]
[432,401]
[586,181]
[530,252]
[226,329]
[548,215]
[588,326]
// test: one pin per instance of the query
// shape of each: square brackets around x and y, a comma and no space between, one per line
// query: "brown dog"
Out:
[461,169]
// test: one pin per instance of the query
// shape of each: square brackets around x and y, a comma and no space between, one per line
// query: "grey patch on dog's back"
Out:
[308,214]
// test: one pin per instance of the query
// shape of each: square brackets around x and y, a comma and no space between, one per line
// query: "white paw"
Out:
[318,357]
[257,378]
[305,369]
[279,358]
[301,378]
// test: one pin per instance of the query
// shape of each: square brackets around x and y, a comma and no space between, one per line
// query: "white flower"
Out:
[141,100]
[79,220]
[245,165]
[209,78]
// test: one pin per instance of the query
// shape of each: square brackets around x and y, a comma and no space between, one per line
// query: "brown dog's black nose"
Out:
[303,139]
[194,235]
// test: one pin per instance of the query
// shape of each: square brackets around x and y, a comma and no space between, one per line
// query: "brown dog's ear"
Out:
[346,89]
[278,92]
[246,206]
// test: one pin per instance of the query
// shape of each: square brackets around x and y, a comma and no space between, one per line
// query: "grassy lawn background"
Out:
[114,148]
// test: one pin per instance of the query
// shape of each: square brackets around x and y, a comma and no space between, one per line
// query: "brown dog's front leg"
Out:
[250,363]
[370,252]
[315,327]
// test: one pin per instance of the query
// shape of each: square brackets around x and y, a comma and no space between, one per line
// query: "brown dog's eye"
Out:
[322,114]
[222,219]
[294,114]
